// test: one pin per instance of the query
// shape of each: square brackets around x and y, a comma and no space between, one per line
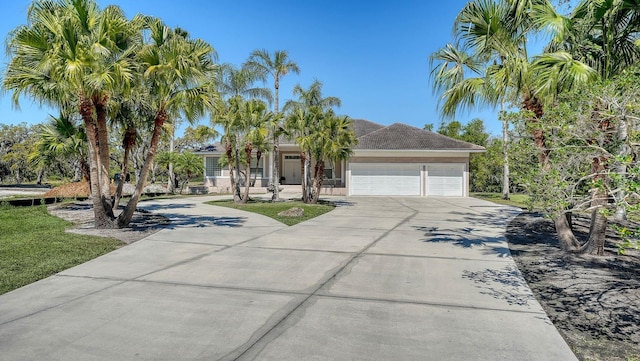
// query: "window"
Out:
[212,168]
[291,157]
[256,168]
[328,173]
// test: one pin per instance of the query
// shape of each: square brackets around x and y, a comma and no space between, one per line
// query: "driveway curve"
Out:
[378,278]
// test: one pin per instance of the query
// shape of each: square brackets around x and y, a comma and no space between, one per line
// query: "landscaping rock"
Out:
[292,212]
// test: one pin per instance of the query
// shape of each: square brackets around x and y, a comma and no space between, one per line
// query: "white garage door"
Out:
[384,179]
[445,180]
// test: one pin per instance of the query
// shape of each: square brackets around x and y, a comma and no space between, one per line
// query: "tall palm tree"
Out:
[233,81]
[307,118]
[491,42]
[493,36]
[334,141]
[312,98]
[245,123]
[71,52]
[176,71]
[276,66]
[237,85]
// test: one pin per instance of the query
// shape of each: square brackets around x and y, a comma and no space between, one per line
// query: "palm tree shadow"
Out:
[160,207]
[465,238]
[178,220]
[191,221]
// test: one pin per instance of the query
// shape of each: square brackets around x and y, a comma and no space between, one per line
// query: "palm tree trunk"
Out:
[125,217]
[255,175]
[307,178]
[100,104]
[229,154]
[276,169]
[534,105]
[303,176]
[237,197]
[505,151]
[128,141]
[85,170]
[77,172]
[103,214]
[276,145]
[247,181]
[318,179]
[171,182]
[40,176]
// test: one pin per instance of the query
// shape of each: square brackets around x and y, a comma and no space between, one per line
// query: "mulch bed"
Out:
[593,301]
[80,213]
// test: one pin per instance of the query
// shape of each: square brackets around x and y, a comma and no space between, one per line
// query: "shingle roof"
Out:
[363,127]
[404,137]
[398,136]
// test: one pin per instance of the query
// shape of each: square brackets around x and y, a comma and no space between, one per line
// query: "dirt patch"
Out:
[70,190]
[143,223]
[593,301]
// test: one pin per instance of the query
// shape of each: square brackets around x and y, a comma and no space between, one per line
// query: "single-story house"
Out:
[394,160]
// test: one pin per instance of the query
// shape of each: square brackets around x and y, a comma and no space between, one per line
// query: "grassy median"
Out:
[34,245]
[271,209]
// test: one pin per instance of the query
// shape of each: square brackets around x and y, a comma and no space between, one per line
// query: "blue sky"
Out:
[373,55]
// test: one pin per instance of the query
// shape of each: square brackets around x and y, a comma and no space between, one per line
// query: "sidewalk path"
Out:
[376,279]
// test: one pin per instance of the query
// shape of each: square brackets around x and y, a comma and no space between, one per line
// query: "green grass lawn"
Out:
[34,245]
[517,200]
[271,209]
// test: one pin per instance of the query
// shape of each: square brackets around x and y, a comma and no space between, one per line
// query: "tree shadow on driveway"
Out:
[192,221]
[160,207]
[464,237]
[505,284]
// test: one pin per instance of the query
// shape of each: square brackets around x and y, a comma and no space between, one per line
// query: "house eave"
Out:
[416,151]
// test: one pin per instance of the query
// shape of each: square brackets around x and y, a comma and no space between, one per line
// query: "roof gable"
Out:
[362,127]
[400,136]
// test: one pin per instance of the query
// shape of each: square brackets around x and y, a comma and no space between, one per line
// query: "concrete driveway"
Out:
[376,279]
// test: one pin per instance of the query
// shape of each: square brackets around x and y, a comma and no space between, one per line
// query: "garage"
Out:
[445,180]
[388,179]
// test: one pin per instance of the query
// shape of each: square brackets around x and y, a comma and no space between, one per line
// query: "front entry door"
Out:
[291,168]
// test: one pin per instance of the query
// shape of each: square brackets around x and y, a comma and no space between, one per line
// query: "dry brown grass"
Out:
[73,190]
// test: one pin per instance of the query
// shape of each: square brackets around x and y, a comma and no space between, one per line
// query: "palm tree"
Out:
[61,138]
[491,42]
[245,123]
[602,34]
[233,81]
[277,66]
[493,37]
[333,140]
[310,117]
[236,85]
[188,164]
[176,71]
[71,52]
